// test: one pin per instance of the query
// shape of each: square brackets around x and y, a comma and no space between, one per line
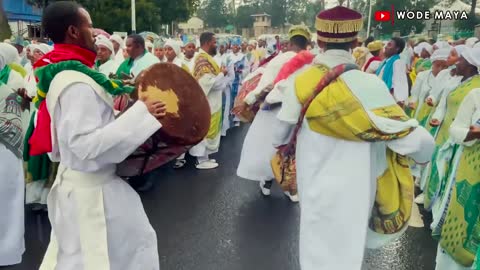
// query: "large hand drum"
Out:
[186,123]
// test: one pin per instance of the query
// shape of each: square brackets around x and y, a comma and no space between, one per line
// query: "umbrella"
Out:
[102,32]
[149,35]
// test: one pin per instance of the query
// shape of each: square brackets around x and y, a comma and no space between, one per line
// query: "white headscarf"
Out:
[10,53]
[472,55]
[424,45]
[471,41]
[148,46]
[44,48]
[106,43]
[440,54]
[174,45]
[118,39]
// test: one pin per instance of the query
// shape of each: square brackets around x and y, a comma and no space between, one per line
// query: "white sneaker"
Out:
[293,198]
[207,165]
[265,191]
[420,199]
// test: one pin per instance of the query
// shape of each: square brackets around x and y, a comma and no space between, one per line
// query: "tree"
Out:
[243,18]
[214,13]
[5,31]
[115,15]
[311,11]
[404,26]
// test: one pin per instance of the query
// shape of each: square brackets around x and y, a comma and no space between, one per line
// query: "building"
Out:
[262,24]
[193,26]
[24,19]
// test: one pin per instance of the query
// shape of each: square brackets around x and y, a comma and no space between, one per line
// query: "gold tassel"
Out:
[339,27]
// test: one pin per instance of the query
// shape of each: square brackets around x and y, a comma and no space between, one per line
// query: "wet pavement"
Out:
[212,220]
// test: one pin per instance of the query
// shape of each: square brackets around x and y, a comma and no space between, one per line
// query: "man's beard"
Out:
[213,51]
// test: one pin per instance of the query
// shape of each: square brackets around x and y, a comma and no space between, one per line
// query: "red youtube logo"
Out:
[382,16]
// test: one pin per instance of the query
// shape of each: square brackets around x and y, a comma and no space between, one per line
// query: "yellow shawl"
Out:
[337,112]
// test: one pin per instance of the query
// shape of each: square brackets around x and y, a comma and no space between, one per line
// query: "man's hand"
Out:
[473,133]
[240,108]
[156,108]
[412,105]
[429,101]
[401,103]
[434,122]
[224,70]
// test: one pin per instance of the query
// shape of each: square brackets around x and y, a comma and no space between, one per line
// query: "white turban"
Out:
[442,45]
[472,55]
[106,43]
[252,42]
[44,48]
[460,49]
[174,45]
[440,54]
[471,41]
[477,45]
[118,39]
[10,53]
[424,45]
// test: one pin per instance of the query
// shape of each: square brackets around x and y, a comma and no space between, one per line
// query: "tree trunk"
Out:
[5,31]
[472,11]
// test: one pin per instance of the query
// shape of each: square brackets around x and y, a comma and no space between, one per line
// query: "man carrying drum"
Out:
[92,211]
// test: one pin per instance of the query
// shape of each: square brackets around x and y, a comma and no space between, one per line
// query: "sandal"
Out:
[179,163]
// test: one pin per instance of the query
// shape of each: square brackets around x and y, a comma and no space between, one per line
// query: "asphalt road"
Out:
[212,220]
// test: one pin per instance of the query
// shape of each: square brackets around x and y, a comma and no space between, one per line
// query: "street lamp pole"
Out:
[134,21]
[369,17]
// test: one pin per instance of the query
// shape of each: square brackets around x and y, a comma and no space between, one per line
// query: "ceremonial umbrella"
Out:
[102,32]
[149,35]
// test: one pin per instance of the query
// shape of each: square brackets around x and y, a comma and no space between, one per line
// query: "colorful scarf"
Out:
[387,76]
[268,59]
[298,61]
[374,58]
[338,113]
[435,181]
[11,131]
[4,75]
[460,237]
[125,67]
[63,57]
[205,64]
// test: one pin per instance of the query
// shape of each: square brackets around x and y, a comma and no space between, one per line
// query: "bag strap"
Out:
[328,78]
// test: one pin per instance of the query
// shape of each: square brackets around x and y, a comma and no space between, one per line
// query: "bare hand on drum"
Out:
[240,108]
[156,108]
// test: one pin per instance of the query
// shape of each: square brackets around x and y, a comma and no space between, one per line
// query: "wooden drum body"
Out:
[186,122]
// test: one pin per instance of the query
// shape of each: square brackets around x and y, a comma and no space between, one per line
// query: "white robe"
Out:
[269,74]
[119,57]
[399,80]
[212,86]
[337,178]
[259,144]
[421,89]
[143,62]
[98,221]
[12,221]
[108,67]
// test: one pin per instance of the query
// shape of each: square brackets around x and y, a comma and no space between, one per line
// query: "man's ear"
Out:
[72,32]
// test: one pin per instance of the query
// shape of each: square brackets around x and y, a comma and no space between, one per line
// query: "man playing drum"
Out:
[93,212]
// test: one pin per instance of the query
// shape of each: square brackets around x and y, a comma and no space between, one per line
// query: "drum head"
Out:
[188,111]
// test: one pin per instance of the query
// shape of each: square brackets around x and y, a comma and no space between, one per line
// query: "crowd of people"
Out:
[397,113]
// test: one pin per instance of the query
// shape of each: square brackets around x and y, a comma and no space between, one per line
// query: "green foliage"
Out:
[115,15]
[467,25]
[214,13]
[5,31]
[404,26]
